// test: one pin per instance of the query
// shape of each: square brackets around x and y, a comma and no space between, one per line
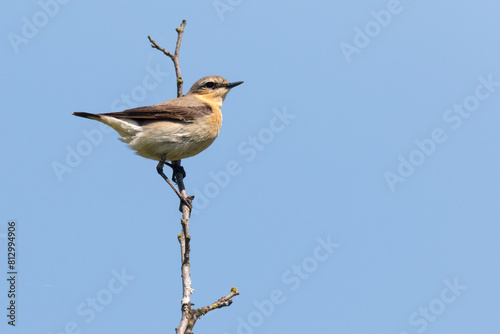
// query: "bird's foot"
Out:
[176,168]
[187,201]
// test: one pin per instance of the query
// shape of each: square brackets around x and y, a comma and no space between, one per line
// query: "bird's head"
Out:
[212,87]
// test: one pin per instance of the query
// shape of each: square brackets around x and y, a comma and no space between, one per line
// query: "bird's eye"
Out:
[210,84]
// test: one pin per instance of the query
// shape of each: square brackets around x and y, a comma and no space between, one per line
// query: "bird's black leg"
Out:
[175,169]
[159,169]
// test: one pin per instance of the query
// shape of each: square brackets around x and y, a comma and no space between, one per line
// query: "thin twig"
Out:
[184,241]
[156,46]
[223,302]
[175,56]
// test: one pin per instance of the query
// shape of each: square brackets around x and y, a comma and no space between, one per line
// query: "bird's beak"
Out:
[233,84]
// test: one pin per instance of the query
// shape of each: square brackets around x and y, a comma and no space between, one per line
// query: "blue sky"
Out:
[353,188]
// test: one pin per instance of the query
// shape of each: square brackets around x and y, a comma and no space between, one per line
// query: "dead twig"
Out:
[175,56]
[189,316]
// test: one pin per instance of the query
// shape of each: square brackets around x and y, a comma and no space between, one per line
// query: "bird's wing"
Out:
[185,109]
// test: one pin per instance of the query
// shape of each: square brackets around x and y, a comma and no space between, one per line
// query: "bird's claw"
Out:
[176,168]
[186,201]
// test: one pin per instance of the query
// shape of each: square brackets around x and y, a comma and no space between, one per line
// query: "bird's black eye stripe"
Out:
[210,84]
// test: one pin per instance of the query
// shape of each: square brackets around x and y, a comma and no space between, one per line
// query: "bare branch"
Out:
[156,46]
[184,241]
[184,237]
[223,302]
[175,56]
[194,315]
[189,316]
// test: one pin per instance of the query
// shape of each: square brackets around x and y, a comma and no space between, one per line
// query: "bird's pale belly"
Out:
[175,140]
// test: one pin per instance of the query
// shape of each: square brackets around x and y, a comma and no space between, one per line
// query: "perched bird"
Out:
[176,129]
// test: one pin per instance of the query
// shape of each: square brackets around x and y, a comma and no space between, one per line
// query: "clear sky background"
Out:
[354,187]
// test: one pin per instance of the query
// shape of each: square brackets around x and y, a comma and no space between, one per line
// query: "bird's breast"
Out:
[209,125]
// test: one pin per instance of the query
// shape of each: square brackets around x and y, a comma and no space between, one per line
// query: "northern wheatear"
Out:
[173,130]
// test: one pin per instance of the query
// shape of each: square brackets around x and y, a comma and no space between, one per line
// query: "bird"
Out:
[175,129]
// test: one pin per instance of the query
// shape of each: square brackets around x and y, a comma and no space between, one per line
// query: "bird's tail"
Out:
[126,128]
